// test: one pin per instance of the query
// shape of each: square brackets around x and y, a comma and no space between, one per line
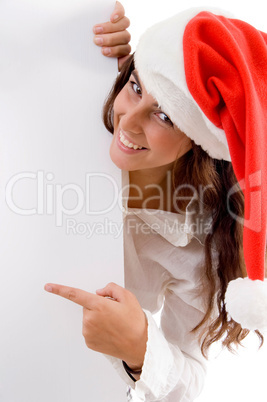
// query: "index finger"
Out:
[110,27]
[78,296]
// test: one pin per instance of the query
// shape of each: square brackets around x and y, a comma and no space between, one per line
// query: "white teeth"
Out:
[127,143]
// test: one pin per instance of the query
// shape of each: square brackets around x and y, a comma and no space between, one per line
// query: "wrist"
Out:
[131,369]
[134,373]
[134,368]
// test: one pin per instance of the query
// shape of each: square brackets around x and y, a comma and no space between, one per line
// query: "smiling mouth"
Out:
[129,144]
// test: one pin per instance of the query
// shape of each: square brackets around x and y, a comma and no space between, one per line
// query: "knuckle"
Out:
[84,332]
[111,285]
[106,27]
[107,40]
[71,294]
[127,36]
[97,307]
[90,344]
[123,38]
[87,318]
[87,321]
[124,50]
[87,341]
[86,335]
[126,22]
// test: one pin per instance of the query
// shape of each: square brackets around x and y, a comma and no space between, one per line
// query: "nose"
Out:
[133,119]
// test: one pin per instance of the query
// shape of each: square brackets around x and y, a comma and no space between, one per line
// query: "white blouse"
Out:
[164,268]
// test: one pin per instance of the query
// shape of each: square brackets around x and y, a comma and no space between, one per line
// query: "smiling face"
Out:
[144,137]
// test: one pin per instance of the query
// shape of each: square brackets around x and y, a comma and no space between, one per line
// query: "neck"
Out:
[151,188]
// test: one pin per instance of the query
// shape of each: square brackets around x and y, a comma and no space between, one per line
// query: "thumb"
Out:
[118,12]
[113,291]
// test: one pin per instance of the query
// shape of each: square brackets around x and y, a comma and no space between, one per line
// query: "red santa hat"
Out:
[208,72]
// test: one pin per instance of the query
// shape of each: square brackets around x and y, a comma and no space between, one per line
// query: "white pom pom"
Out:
[246,303]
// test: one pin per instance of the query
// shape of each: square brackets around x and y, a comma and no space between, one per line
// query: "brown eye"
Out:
[136,88]
[165,118]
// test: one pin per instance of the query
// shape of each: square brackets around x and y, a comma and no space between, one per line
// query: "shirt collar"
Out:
[177,229]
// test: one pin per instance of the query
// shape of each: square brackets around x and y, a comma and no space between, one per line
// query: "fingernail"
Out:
[106,51]
[48,288]
[98,30]
[109,297]
[98,40]
[115,17]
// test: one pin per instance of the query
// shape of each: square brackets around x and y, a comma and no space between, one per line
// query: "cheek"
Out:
[171,146]
[166,143]
[116,107]
[120,103]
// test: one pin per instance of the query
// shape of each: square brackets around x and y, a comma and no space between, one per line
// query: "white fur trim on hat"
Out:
[160,64]
[246,302]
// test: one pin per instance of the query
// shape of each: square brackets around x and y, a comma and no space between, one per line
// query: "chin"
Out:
[117,161]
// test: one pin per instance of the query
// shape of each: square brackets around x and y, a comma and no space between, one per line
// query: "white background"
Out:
[230,378]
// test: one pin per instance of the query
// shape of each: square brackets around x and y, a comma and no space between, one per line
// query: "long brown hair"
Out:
[217,177]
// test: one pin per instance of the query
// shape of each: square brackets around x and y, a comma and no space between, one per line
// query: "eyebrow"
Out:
[134,73]
[136,78]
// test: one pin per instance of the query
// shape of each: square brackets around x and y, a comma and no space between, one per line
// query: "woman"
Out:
[193,95]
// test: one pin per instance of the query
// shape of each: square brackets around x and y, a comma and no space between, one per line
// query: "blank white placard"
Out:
[60,214]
